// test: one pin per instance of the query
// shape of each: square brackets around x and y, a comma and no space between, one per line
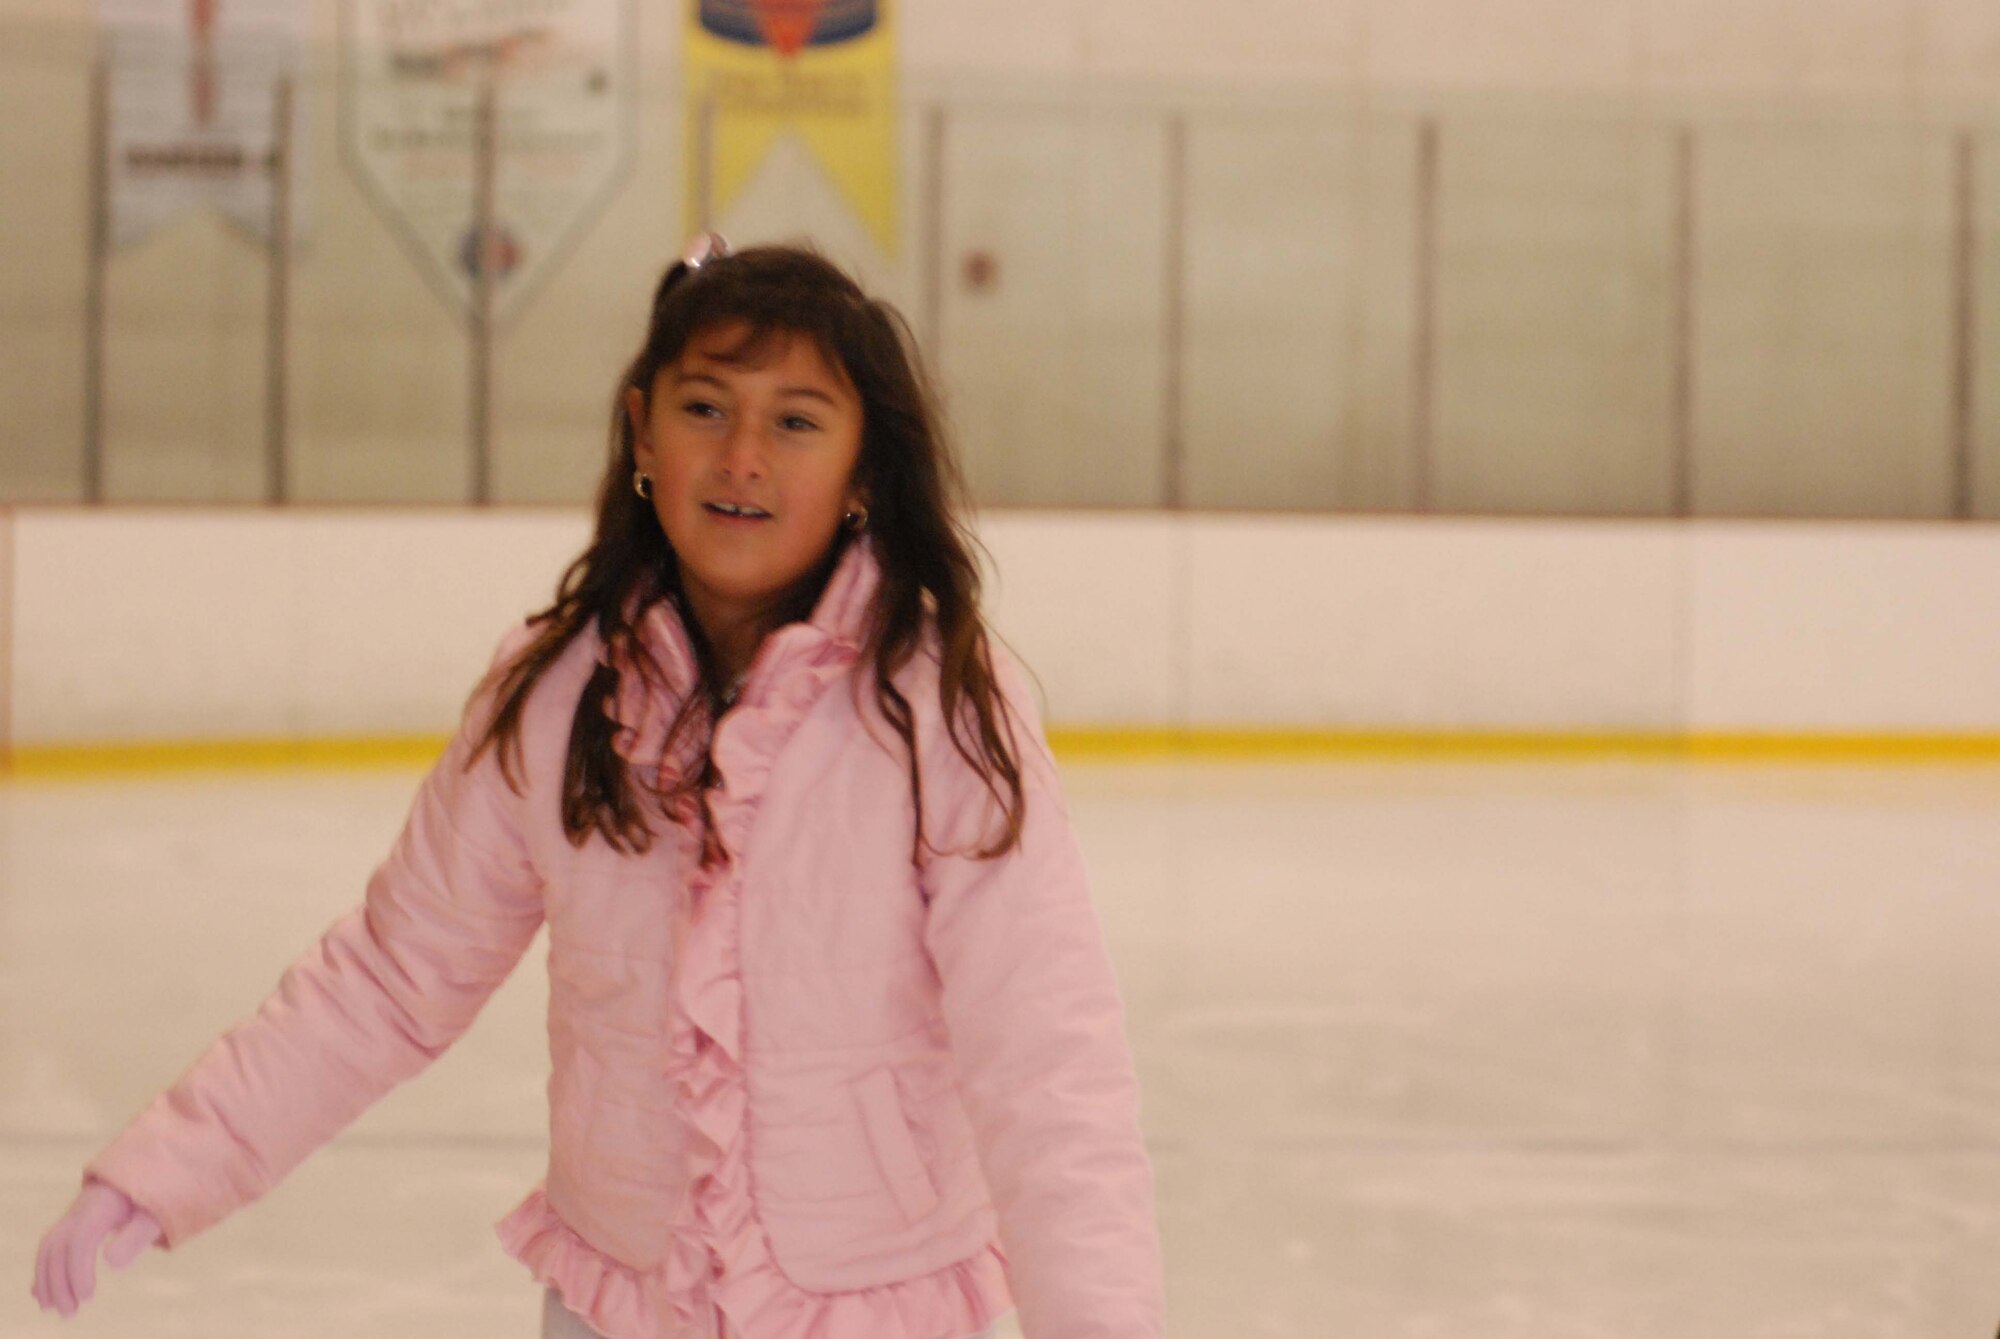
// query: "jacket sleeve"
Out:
[1038,1035]
[384,992]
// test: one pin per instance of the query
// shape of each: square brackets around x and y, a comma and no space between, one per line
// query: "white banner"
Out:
[561,78]
[192,116]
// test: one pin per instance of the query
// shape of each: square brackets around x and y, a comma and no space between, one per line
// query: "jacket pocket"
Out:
[894,1145]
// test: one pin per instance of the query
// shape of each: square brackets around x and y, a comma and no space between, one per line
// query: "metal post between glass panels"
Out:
[1173,448]
[484,151]
[93,294]
[1424,355]
[1681,408]
[277,482]
[1965,323]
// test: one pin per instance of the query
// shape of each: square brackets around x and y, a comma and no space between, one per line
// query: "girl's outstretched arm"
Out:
[1038,1033]
[383,993]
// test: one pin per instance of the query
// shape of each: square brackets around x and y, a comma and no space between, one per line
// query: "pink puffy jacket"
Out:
[824,1090]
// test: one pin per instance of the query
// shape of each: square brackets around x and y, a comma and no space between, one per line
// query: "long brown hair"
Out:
[915,503]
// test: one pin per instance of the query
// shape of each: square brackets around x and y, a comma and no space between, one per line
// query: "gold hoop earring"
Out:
[642,484]
[857,520]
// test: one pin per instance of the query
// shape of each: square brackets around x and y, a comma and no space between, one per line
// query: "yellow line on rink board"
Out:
[1713,747]
[1085,744]
[224,755]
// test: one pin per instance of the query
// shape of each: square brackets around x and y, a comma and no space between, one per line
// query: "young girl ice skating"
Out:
[837,1051]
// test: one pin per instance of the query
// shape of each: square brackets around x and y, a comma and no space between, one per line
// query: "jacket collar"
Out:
[646,703]
[842,613]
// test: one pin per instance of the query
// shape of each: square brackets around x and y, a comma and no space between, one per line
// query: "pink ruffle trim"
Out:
[614,1299]
[961,1300]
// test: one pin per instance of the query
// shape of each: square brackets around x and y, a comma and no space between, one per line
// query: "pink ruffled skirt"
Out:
[559,1322]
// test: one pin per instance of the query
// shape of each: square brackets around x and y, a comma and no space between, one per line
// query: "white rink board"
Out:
[149,625]
[187,624]
[1396,624]
[1858,627]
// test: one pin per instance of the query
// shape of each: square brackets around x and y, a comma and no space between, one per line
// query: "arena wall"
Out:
[134,628]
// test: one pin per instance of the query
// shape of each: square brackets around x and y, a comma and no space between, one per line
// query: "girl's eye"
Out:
[700,409]
[797,423]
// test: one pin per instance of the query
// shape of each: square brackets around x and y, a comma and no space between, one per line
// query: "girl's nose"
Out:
[745,451]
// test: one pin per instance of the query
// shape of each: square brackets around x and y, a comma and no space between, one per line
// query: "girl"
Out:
[837,1052]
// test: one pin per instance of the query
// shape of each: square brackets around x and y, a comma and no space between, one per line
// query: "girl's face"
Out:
[752,462]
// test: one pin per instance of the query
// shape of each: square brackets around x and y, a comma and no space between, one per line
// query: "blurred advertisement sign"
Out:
[192,115]
[822,70]
[489,133]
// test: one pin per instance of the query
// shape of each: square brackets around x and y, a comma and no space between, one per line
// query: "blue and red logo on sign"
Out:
[787,25]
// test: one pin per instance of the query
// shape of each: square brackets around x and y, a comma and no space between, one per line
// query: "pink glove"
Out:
[66,1266]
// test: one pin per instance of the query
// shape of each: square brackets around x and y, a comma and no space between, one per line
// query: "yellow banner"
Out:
[821,70]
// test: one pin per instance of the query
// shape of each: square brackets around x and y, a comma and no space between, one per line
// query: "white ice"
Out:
[1514,1050]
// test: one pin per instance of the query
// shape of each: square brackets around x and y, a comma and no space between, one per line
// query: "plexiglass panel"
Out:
[1050,335]
[1555,316]
[1822,326]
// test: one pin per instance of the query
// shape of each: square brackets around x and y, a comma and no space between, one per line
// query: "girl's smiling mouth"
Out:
[736,511]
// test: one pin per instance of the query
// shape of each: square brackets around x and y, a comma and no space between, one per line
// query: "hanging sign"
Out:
[488,132]
[821,70]
[192,111]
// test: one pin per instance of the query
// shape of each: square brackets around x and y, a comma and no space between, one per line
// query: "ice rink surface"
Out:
[1522,1050]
